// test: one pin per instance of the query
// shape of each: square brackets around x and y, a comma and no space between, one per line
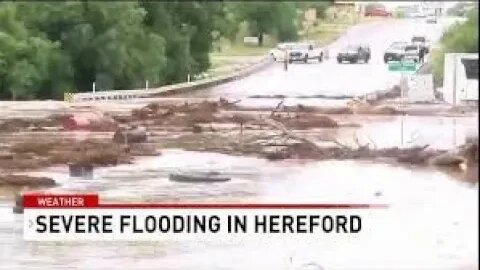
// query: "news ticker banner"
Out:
[82,217]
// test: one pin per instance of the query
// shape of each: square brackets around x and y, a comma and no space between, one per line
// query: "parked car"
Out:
[354,53]
[431,19]
[395,52]
[412,53]
[305,51]
[278,53]
[422,42]
[377,12]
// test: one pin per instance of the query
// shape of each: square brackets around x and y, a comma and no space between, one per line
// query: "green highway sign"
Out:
[402,66]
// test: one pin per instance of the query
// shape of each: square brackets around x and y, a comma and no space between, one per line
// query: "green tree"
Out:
[25,60]
[225,23]
[187,28]
[106,47]
[104,42]
[459,38]
[47,48]
[269,17]
[286,26]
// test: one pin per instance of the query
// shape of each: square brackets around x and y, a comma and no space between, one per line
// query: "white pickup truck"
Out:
[279,52]
[302,51]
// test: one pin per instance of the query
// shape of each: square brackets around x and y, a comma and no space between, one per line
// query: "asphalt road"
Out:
[330,78]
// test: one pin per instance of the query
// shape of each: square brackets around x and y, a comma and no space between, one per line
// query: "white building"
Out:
[460,79]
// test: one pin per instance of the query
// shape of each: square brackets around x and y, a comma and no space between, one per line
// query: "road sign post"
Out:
[405,68]
[402,66]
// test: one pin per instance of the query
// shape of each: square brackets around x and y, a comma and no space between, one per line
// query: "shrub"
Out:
[459,38]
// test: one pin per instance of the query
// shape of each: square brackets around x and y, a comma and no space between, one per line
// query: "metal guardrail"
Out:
[169,89]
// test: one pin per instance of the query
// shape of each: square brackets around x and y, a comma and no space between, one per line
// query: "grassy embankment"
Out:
[235,56]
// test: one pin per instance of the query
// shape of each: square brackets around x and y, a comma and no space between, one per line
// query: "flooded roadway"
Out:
[432,222]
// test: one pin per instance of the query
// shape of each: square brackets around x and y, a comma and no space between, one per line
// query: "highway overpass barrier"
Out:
[170,89]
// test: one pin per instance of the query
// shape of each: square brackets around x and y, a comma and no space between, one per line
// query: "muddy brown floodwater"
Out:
[431,222]
[422,229]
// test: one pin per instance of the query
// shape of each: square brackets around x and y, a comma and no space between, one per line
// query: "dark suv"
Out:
[422,42]
[395,52]
[354,53]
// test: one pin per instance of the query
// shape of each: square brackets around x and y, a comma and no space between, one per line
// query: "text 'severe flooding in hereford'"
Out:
[192,135]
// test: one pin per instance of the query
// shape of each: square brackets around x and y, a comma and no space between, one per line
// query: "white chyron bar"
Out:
[50,217]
